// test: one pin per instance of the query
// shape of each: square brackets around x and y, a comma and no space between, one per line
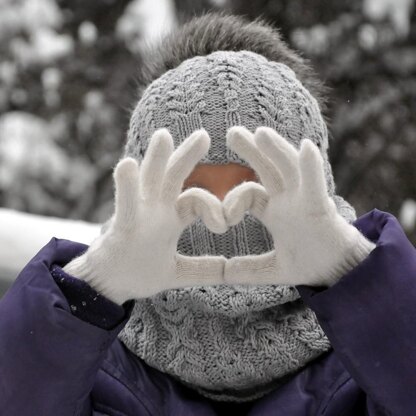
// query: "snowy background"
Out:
[68,76]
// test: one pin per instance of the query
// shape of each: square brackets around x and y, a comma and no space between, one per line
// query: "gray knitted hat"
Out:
[228,342]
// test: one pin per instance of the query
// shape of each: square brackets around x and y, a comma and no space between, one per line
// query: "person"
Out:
[231,277]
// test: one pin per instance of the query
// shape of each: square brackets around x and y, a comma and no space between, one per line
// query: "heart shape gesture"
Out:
[137,255]
[314,244]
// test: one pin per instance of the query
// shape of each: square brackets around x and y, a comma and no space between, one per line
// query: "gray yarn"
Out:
[234,343]
[225,89]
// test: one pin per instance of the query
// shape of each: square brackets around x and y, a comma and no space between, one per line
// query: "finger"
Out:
[314,187]
[182,162]
[241,141]
[154,163]
[249,196]
[196,202]
[199,271]
[126,177]
[281,152]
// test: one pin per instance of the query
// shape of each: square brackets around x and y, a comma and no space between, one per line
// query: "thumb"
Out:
[248,196]
[197,202]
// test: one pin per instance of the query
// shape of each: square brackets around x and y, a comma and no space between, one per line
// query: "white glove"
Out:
[314,245]
[137,255]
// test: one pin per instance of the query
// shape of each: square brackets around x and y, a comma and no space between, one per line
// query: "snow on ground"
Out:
[23,235]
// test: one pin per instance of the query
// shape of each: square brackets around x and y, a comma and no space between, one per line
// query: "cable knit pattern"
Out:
[230,343]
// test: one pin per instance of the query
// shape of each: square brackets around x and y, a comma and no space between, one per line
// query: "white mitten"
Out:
[137,255]
[314,245]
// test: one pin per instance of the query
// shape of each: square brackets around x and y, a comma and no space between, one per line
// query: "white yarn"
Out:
[136,257]
[317,246]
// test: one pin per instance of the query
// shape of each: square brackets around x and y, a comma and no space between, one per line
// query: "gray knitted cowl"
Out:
[230,343]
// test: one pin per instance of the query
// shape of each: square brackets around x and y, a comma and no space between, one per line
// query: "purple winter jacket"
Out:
[55,361]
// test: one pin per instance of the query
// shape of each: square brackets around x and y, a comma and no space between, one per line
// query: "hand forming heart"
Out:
[314,244]
[136,256]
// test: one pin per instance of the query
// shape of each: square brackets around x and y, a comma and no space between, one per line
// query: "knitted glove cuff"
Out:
[82,269]
[357,253]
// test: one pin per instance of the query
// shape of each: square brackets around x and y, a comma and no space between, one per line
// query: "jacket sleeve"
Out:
[369,316]
[49,356]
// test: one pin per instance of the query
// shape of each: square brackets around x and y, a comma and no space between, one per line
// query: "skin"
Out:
[219,179]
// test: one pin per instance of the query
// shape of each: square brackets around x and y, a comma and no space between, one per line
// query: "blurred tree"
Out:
[82,94]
